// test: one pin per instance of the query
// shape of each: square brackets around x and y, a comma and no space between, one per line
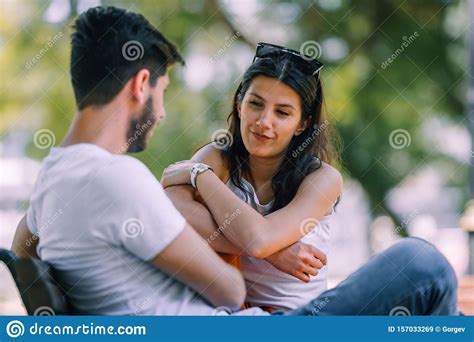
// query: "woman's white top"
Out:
[268,286]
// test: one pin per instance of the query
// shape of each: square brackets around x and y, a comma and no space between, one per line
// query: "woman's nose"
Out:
[264,120]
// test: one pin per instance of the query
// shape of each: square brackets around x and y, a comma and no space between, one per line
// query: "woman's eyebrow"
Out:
[286,105]
[256,95]
[279,105]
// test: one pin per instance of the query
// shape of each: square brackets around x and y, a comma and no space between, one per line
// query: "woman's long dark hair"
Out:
[306,151]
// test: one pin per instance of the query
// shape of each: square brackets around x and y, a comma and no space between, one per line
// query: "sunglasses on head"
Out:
[308,65]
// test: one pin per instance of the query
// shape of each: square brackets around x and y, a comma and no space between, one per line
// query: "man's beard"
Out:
[138,130]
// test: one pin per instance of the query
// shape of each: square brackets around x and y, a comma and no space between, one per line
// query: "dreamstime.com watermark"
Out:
[139,130]
[16,329]
[43,227]
[398,229]
[320,306]
[228,43]
[407,41]
[228,220]
[309,140]
[44,49]
[395,233]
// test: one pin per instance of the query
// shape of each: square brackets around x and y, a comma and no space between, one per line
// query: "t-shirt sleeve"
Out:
[142,218]
[149,233]
[31,220]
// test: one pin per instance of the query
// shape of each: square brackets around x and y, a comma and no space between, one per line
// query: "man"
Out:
[101,218]
[103,221]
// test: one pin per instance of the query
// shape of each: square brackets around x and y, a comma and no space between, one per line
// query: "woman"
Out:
[272,190]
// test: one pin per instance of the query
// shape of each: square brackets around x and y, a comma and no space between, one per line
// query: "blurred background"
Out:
[396,79]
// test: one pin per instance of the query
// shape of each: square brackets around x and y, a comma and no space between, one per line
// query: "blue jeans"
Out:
[410,278]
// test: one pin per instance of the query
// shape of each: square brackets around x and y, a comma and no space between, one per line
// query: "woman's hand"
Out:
[178,173]
[299,260]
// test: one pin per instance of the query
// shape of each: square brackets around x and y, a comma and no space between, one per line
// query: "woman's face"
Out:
[270,116]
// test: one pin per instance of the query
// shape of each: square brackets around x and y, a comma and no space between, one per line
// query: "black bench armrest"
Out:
[40,292]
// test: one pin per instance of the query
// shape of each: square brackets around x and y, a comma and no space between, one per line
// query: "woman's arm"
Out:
[263,236]
[299,260]
[190,261]
[201,219]
[184,199]
[260,236]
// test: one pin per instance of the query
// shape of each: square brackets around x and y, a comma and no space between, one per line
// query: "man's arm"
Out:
[191,261]
[201,219]
[24,242]
[261,235]
[296,260]
[265,235]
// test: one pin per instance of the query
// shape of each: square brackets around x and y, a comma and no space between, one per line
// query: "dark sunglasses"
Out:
[308,65]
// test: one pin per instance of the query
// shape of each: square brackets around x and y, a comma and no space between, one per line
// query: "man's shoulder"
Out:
[124,172]
[124,163]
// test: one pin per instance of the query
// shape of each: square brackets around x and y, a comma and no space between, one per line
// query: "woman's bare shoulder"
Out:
[327,174]
[212,156]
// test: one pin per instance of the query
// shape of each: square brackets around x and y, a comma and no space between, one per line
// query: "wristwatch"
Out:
[197,170]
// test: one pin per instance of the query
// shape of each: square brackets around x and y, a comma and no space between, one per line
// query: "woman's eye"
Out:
[283,113]
[255,103]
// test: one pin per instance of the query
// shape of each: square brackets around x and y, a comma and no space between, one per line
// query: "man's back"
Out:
[100,218]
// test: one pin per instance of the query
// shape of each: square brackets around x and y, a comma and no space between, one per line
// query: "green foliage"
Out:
[365,100]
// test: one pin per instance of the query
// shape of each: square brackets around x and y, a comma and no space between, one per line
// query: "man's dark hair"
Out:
[109,46]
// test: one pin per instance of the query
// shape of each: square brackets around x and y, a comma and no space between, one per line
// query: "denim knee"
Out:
[427,262]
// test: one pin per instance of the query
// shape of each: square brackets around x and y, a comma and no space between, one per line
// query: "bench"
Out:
[40,292]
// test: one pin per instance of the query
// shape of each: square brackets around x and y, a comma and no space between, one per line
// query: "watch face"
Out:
[201,167]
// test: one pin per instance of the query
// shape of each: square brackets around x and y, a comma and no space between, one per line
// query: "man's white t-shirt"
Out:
[100,218]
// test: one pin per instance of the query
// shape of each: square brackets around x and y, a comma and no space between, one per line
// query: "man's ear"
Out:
[303,125]
[141,86]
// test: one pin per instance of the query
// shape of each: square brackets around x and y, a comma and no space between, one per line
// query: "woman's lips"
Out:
[261,137]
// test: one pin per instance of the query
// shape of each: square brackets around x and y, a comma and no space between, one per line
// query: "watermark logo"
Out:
[221,311]
[400,311]
[222,139]
[44,311]
[15,329]
[44,139]
[133,228]
[132,50]
[309,226]
[310,50]
[399,138]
